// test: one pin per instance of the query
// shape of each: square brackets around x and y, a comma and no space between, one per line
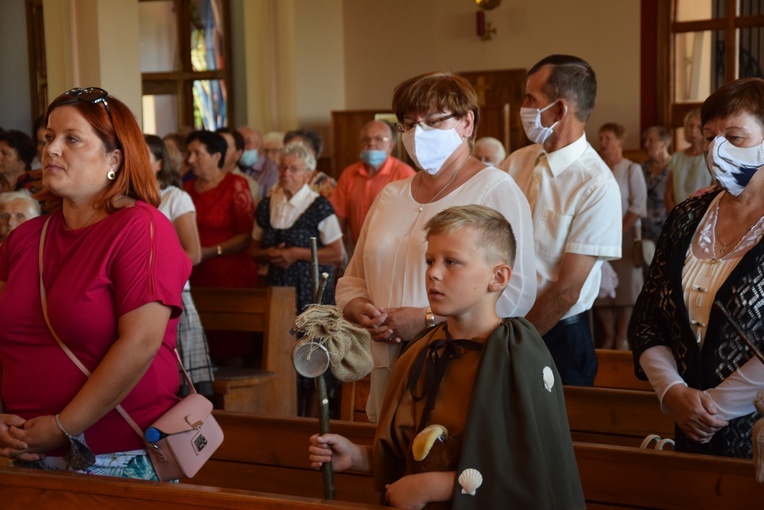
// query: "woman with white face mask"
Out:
[383,288]
[711,251]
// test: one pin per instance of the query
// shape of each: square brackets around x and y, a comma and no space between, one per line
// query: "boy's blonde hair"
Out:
[494,236]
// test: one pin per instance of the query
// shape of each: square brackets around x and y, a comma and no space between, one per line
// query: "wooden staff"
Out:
[319,285]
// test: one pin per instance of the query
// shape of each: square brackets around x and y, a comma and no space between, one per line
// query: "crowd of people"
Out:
[442,262]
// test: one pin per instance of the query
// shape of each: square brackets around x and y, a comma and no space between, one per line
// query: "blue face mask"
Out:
[374,158]
[248,158]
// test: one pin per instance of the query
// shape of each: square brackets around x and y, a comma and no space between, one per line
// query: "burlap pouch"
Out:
[348,345]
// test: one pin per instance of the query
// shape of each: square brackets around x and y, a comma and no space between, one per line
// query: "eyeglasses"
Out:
[91,95]
[293,169]
[426,124]
[366,140]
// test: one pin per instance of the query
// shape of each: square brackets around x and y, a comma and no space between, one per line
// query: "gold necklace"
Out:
[86,222]
[419,185]
[738,236]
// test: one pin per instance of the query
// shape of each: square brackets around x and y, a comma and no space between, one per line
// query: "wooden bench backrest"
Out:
[270,454]
[24,489]
[616,370]
[616,417]
[270,311]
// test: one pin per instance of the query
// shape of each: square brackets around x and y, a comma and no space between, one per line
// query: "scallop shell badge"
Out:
[548,376]
[470,480]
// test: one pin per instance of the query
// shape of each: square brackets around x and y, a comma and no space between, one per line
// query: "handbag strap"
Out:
[69,353]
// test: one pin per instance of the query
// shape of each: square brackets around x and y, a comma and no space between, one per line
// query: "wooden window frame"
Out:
[670,113]
[180,82]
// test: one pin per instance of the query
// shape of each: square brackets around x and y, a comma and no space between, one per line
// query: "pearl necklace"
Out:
[419,185]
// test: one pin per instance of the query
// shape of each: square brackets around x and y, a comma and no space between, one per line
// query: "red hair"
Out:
[117,129]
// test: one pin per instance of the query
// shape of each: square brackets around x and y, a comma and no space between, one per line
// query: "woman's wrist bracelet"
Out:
[61,428]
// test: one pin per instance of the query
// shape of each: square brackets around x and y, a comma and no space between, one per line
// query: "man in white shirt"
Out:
[575,204]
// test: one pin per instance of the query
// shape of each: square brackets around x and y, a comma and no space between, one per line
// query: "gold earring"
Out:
[111,175]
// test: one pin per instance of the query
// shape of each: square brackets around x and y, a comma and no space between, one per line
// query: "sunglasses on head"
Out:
[91,95]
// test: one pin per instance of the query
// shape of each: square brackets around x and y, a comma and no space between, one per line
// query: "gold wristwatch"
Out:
[429,318]
[219,250]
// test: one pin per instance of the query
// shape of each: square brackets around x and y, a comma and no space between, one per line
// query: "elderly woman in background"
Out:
[320,182]
[17,152]
[281,238]
[687,169]
[16,207]
[177,205]
[273,142]
[224,215]
[711,251]
[489,150]
[656,141]
[612,314]
[111,271]
[383,288]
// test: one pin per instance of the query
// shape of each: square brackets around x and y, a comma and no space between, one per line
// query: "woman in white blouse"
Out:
[383,288]
[177,205]
[711,251]
[612,313]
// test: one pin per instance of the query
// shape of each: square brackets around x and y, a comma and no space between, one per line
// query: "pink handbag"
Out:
[183,438]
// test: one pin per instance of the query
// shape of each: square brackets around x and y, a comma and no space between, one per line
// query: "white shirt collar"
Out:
[561,159]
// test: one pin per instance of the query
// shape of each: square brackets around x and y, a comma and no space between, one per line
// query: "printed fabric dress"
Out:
[297,275]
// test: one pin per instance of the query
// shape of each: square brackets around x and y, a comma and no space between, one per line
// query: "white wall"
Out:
[15,104]
[387,42]
[319,62]
[349,54]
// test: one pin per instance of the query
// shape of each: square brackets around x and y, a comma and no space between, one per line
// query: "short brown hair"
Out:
[617,129]
[744,95]
[571,78]
[663,133]
[495,237]
[440,90]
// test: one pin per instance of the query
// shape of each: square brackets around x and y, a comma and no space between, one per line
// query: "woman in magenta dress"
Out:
[225,214]
[112,271]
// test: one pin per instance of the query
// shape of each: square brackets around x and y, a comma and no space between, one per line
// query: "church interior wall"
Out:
[349,54]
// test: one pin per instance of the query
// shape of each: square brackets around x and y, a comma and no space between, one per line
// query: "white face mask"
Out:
[430,148]
[531,119]
[733,167]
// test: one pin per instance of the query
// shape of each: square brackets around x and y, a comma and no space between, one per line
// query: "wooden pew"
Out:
[271,454]
[616,370]
[270,311]
[263,453]
[634,478]
[596,415]
[615,417]
[24,489]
